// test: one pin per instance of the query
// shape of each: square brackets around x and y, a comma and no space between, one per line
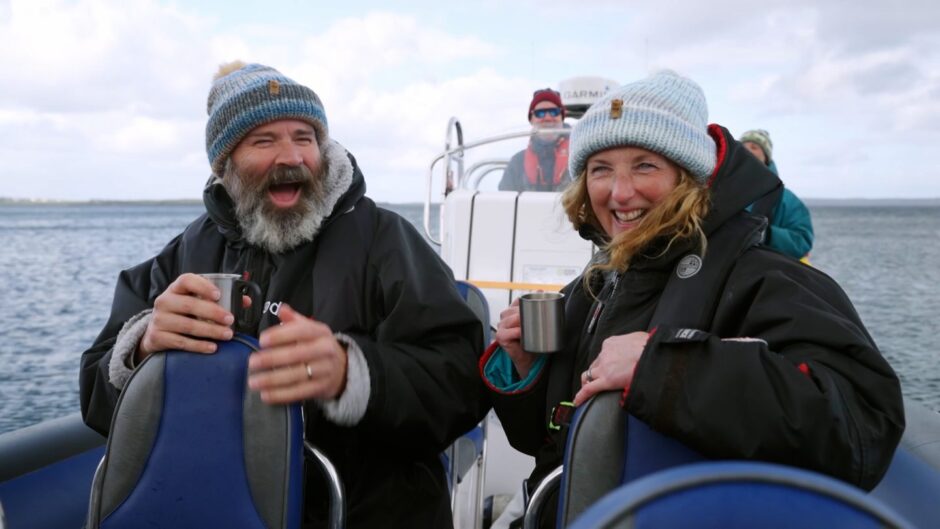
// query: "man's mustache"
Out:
[282,174]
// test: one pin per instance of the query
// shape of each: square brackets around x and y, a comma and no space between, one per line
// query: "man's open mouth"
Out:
[285,195]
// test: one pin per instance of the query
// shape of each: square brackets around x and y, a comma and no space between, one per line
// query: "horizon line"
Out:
[194,201]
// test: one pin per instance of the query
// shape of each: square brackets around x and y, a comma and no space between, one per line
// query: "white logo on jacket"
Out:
[688,266]
[272,307]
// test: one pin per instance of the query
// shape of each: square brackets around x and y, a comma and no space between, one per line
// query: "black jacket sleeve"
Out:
[522,416]
[423,351]
[135,292]
[788,374]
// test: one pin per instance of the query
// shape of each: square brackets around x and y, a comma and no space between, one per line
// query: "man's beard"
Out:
[265,225]
[546,133]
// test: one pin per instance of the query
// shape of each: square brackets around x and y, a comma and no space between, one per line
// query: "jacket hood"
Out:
[344,187]
[739,179]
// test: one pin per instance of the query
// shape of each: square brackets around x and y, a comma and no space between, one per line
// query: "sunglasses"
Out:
[542,112]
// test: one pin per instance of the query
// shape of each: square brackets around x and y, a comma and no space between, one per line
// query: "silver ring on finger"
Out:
[309,370]
[588,376]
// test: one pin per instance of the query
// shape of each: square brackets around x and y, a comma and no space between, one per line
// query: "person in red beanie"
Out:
[543,164]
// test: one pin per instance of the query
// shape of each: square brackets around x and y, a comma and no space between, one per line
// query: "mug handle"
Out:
[246,319]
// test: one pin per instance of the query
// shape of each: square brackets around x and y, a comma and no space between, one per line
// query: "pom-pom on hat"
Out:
[762,138]
[245,96]
[664,113]
[546,94]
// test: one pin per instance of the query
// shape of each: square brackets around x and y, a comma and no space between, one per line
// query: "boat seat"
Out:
[606,447]
[191,446]
[468,452]
[478,304]
[50,463]
[763,495]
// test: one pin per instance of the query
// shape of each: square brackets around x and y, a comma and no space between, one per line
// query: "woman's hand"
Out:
[509,334]
[614,366]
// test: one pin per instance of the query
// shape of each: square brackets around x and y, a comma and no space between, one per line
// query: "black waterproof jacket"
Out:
[810,388]
[367,274]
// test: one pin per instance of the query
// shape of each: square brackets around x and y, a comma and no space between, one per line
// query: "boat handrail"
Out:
[482,169]
[539,499]
[453,127]
[457,153]
[337,517]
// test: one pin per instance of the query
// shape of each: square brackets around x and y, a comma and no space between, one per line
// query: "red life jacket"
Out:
[533,172]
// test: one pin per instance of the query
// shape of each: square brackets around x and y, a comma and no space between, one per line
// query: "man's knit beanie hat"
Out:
[244,97]
[762,138]
[664,113]
[546,94]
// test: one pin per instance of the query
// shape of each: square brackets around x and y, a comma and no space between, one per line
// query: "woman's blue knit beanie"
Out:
[244,97]
[664,113]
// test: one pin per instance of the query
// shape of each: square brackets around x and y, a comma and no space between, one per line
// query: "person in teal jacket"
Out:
[791,228]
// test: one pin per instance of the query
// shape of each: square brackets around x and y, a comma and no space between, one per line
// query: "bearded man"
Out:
[358,311]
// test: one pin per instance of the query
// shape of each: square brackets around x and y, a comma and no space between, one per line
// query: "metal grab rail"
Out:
[482,169]
[337,518]
[460,470]
[533,511]
[456,153]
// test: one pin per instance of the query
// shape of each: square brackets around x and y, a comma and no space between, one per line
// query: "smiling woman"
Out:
[624,183]
[708,336]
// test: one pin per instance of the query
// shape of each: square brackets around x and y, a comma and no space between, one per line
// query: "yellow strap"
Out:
[510,285]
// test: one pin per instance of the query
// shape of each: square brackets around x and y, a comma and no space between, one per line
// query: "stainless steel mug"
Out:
[233,287]
[542,317]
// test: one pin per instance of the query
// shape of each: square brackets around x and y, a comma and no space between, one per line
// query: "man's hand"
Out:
[299,359]
[183,313]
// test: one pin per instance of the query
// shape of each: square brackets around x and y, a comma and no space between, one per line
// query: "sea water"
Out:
[59,265]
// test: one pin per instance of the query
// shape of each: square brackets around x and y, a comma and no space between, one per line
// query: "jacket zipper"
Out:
[599,308]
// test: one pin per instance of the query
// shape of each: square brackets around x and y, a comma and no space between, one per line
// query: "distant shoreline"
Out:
[810,202]
[45,202]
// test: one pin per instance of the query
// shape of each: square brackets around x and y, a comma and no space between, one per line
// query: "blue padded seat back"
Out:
[477,302]
[191,446]
[607,447]
[731,495]
[649,451]
[470,445]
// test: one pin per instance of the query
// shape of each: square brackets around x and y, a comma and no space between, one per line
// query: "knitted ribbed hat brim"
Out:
[252,96]
[664,113]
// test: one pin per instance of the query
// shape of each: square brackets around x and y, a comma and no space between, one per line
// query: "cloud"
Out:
[109,85]
[861,66]
[99,56]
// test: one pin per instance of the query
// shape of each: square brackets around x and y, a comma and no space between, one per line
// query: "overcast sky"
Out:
[104,99]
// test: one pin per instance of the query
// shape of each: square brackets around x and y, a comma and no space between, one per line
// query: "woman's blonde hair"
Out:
[678,217]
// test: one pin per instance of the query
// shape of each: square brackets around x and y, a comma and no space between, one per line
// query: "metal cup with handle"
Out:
[542,317]
[233,287]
